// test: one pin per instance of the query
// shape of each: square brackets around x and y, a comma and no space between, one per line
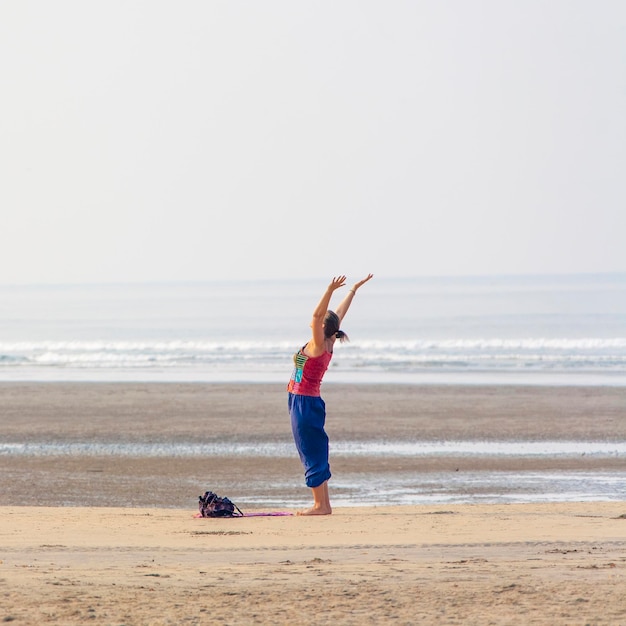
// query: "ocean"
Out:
[522,330]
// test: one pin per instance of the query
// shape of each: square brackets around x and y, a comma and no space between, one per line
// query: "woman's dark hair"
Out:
[331,327]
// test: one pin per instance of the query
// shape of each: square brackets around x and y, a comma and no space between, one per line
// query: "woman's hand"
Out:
[362,282]
[337,282]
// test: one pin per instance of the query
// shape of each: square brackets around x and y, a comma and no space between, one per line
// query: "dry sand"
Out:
[471,564]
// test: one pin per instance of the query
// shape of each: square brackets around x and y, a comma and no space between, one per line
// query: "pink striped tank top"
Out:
[308,372]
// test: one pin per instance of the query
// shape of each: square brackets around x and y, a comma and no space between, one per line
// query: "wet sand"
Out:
[199,413]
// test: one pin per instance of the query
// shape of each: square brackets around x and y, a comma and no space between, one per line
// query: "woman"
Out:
[306,407]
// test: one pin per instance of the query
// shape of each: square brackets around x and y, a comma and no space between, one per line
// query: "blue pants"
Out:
[308,415]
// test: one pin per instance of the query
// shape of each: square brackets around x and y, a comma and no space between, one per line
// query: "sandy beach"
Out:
[70,555]
[473,564]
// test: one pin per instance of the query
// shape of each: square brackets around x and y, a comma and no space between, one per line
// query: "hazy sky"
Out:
[210,140]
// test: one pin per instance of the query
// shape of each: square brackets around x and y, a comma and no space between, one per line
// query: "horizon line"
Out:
[394,277]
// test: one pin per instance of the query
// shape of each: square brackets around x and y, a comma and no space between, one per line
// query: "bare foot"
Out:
[316,511]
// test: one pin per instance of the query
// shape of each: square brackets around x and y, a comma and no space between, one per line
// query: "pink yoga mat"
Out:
[255,514]
[268,514]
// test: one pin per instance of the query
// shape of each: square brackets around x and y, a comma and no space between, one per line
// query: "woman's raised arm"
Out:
[317,323]
[343,307]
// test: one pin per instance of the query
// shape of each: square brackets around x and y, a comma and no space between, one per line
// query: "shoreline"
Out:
[422,379]
[547,563]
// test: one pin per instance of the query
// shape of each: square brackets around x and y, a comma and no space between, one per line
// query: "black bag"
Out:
[211,505]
